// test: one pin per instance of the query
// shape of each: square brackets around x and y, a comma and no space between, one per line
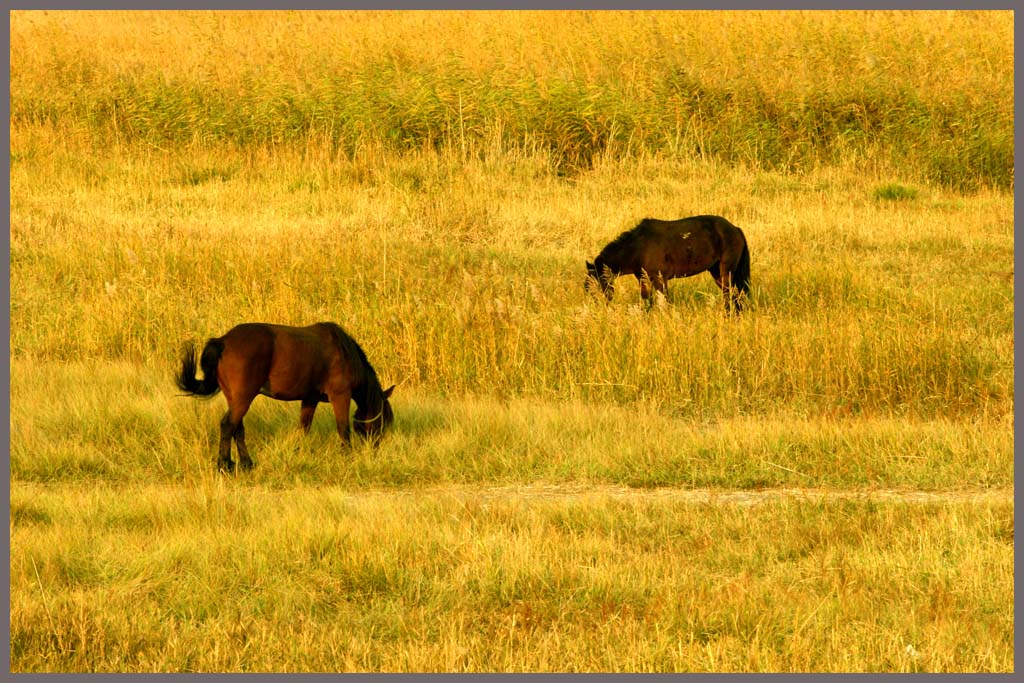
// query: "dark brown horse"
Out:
[656,251]
[316,364]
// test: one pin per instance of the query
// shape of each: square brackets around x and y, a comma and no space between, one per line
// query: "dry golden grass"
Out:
[437,193]
[230,577]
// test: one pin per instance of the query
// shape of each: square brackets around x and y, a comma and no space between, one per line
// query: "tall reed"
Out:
[776,90]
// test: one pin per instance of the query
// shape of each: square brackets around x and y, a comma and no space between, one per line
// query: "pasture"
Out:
[823,482]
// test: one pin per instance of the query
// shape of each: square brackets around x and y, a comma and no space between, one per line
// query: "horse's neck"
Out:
[609,263]
[359,393]
[612,256]
[363,391]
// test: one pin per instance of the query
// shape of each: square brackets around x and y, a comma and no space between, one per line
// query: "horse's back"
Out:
[262,334]
[283,361]
[719,234]
[707,223]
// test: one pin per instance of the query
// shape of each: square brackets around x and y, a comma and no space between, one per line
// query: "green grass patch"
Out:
[894,192]
[198,176]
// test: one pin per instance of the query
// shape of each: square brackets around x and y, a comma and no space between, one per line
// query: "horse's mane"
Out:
[366,377]
[627,239]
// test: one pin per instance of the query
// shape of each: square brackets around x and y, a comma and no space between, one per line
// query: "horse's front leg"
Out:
[646,286]
[607,287]
[306,416]
[341,403]
[649,285]
[660,285]
[607,280]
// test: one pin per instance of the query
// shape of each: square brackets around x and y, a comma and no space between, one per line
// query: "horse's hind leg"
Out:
[727,265]
[723,278]
[231,427]
[725,282]
[243,453]
[733,302]
[227,431]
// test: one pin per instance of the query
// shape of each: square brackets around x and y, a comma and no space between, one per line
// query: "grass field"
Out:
[321,580]
[438,197]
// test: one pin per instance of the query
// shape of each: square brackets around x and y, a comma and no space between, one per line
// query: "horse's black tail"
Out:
[741,276]
[186,379]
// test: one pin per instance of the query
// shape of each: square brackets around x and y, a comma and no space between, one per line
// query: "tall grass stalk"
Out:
[775,90]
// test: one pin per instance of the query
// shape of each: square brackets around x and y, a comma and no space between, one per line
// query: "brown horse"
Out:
[656,251]
[316,364]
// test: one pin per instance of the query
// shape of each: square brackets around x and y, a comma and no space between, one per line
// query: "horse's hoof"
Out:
[226,467]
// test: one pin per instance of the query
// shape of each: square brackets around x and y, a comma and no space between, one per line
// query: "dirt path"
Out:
[545,492]
[714,496]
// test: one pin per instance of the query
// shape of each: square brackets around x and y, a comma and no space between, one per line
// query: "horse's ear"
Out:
[387,392]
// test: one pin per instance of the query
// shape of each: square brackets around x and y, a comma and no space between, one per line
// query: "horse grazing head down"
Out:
[374,415]
[656,251]
[315,364]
